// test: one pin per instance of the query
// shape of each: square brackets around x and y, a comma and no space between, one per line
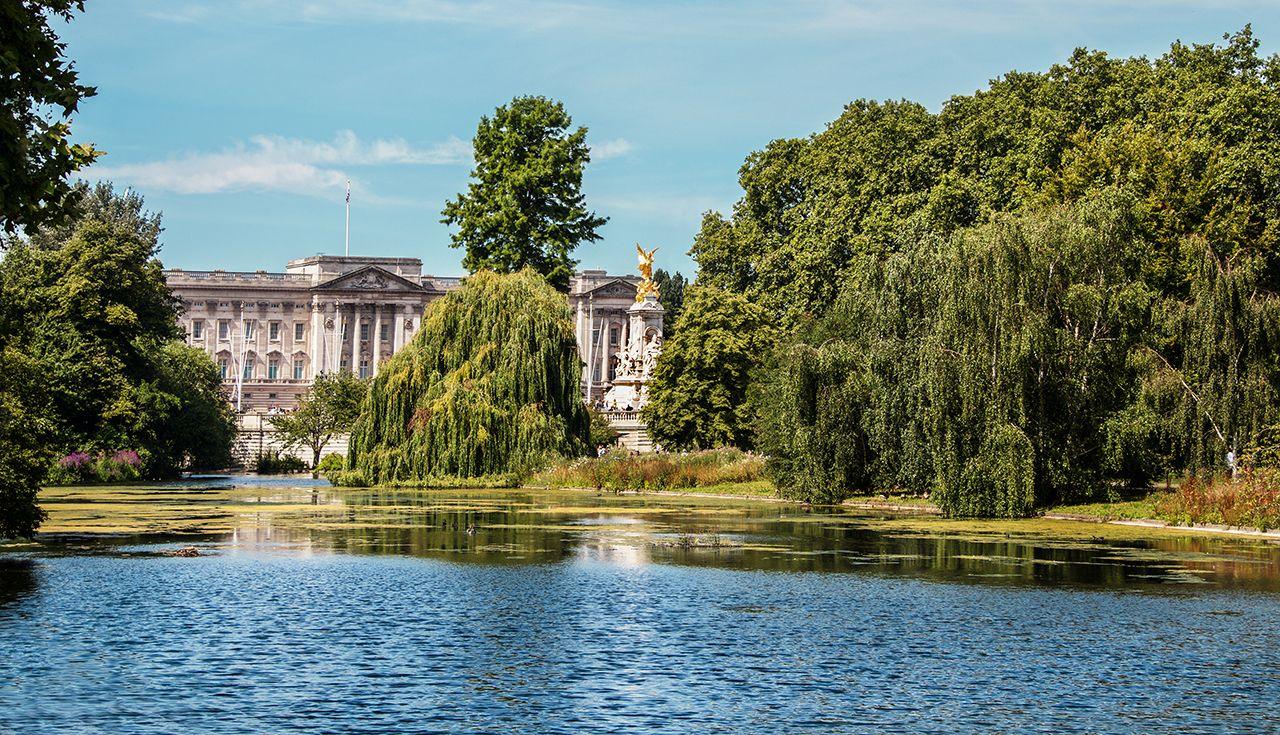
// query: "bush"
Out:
[618,470]
[276,463]
[1252,500]
[332,462]
[80,468]
[348,478]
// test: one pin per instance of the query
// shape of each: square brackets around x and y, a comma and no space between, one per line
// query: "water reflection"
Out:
[523,527]
[17,579]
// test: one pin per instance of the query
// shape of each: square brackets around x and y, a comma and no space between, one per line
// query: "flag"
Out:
[348,191]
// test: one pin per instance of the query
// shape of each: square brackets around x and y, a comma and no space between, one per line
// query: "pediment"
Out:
[368,278]
[615,287]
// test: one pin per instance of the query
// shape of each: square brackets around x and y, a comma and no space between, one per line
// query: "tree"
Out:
[329,408]
[671,295]
[1193,136]
[489,386]
[985,367]
[26,442]
[88,301]
[39,92]
[697,396]
[188,422]
[524,206]
[603,434]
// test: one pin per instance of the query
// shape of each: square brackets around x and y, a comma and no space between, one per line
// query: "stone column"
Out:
[603,352]
[355,340]
[376,337]
[587,373]
[315,341]
[577,308]
[397,328]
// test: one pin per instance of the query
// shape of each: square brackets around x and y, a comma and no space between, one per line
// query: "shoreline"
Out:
[931,510]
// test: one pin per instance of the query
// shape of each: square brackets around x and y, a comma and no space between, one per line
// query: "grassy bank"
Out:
[718,472]
[1251,500]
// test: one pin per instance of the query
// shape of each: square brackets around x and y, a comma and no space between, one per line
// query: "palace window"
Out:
[364,368]
[364,332]
[344,331]
[197,330]
[297,368]
[385,333]
[613,335]
[248,330]
[342,365]
[273,331]
[297,332]
[248,370]
[224,366]
[224,329]
[273,369]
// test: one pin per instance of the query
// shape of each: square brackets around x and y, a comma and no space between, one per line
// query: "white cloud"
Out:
[277,163]
[733,18]
[610,149]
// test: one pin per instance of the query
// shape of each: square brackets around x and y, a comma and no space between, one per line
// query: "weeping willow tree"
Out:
[982,367]
[488,386]
[1217,377]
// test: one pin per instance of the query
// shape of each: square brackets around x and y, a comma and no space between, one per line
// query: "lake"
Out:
[316,610]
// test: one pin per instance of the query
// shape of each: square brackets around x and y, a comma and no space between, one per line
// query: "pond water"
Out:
[314,610]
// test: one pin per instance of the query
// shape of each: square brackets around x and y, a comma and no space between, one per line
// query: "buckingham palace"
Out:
[270,333]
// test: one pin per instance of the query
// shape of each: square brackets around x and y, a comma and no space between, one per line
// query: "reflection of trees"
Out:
[18,579]
[518,527]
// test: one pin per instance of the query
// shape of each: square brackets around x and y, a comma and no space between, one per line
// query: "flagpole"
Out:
[347,249]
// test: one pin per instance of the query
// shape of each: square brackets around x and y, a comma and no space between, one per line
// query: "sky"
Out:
[242,120]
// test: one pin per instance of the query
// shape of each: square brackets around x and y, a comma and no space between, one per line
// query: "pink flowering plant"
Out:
[79,468]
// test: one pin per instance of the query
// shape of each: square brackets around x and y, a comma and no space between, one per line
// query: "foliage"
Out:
[602,432]
[39,91]
[1191,136]
[619,470]
[79,468]
[88,302]
[332,462]
[524,207]
[1251,500]
[983,366]
[697,396]
[330,407]
[26,441]
[488,386]
[278,463]
[671,289]
[347,478]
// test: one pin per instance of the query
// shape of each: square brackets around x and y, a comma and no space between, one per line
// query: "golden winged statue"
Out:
[647,286]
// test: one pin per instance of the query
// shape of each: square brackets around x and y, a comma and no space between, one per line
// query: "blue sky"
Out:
[241,120]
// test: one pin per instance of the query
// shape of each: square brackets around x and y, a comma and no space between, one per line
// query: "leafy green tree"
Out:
[698,393]
[186,420]
[671,295]
[90,304]
[26,442]
[985,367]
[329,408]
[602,432]
[524,206]
[489,386]
[1193,136]
[39,91]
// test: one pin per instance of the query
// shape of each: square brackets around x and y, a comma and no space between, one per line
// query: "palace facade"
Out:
[272,333]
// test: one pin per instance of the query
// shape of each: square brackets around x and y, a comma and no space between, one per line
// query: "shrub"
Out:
[332,462]
[1251,500]
[80,468]
[348,478]
[618,470]
[276,463]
